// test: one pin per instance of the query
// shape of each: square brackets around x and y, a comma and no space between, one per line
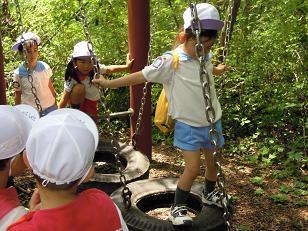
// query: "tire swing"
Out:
[149,195]
[130,165]
[106,177]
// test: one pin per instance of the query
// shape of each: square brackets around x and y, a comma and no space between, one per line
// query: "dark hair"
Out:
[3,163]
[204,33]
[21,48]
[56,187]
[189,34]
[71,72]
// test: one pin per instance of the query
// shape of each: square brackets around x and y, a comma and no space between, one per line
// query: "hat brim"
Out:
[15,46]
[210,24]
[82,57]
[83,117]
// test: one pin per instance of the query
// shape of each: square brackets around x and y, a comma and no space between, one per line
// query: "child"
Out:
[40,72]
[78,89]
[60,151]
[15,127]
[186,105]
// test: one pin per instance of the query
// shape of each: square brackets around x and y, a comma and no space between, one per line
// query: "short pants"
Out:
[191,138]
[49,109]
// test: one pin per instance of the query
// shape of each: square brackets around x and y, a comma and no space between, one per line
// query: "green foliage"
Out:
[257,180]
[279,198]
[264,100]
[259,191]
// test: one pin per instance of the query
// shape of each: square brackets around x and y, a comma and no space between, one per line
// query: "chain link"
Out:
[126,193]
[26,44]
[145,88]
[209,112]
[228,31]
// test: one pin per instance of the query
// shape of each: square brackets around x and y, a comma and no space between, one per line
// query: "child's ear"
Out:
[25,158]
[182,37]
[89,175]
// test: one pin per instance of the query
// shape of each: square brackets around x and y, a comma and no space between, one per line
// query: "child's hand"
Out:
[129,62]
[35,201]
[220,69]
[101,81]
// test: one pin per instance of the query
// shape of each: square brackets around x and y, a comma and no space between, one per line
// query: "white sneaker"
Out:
[213,198]
[178,215]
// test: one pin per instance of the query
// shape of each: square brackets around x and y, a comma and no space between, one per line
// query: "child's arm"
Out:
[133,79]
[50,85]
[118,68]
[219,69]
[64,99]
[17,97]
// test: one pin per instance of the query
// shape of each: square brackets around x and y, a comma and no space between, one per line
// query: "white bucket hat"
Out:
[15,126]
[81,50]
[61,146]
[208,16]
[26,36]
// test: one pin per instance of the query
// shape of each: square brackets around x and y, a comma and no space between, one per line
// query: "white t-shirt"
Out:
[92,90]
[41,77]
[183,87]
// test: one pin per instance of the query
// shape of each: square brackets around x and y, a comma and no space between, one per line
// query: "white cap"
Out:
[26,36]
[16,123]
[81,49]
[61,146]
[208,16]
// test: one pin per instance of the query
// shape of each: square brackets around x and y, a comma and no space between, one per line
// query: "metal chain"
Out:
[126,193]
[145,89]
[26,44]
[228,31]
[210,112]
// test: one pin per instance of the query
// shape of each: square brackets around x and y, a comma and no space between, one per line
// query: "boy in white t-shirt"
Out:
[15,127]
[60,152]
[37,72]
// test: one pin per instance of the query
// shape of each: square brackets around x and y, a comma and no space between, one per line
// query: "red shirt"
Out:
[8,200]
[92,210]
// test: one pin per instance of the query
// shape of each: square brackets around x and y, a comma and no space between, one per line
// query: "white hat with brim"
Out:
[61,146]
[15,127]
[26,37]
[81,50]
[208,16]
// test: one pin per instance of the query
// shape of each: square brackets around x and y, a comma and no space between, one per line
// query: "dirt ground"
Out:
[251,211]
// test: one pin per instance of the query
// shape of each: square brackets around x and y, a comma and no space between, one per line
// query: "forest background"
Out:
[264,98]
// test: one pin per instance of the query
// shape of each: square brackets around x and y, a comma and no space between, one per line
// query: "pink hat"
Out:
[208,16]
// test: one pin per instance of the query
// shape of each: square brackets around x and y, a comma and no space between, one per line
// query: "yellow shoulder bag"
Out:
[162,120]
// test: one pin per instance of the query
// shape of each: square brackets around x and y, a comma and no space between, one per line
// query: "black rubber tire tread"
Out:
[137,163]
[210,217]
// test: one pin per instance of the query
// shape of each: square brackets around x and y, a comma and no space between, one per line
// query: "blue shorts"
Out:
[49,109]
[191,138]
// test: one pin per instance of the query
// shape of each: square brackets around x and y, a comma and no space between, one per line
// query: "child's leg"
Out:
[191,171]
[210,171]
[78,94]
[178,213]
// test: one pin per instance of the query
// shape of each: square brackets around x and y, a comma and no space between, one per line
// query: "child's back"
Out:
[15,127]
[60,151]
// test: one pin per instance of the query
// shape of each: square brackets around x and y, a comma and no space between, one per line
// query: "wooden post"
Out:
[138,43]
[2,81]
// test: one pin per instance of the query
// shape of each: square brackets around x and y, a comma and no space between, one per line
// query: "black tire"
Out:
[135,167]
[159,193]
